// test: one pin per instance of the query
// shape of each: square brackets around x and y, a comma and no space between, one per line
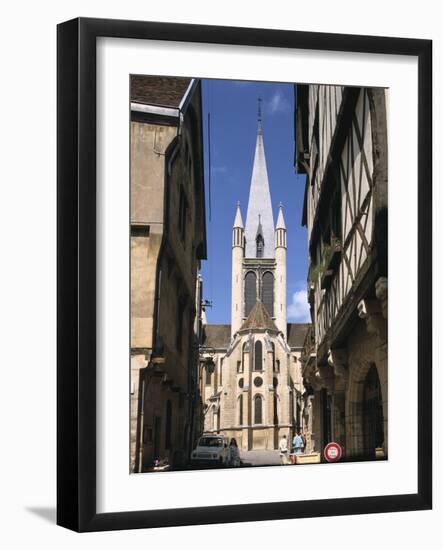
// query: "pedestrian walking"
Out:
[283,448]
[234,453]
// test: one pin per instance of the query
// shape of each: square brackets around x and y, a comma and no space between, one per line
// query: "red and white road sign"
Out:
[332,452]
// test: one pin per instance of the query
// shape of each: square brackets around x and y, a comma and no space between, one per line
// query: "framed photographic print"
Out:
[244,274]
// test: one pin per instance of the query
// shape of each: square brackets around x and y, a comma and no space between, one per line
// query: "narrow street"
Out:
[260,458]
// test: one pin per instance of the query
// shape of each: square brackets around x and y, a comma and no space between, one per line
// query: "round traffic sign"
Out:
[332,452]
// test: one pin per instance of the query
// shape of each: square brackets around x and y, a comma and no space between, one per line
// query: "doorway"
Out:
[373,432]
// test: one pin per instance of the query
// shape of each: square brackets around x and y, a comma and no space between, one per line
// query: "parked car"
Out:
[211,450]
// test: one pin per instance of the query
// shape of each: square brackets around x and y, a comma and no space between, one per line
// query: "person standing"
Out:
[283,448]
[297,443]
[234,453]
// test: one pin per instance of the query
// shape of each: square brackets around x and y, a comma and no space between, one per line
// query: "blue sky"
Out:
[233,111]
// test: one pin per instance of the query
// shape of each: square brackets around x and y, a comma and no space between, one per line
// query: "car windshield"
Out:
[210,442]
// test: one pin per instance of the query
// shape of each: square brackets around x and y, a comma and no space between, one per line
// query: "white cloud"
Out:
[278,104]
[298,309]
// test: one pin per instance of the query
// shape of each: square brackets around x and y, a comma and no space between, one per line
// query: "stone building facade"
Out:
[168,240]
[341,146]
[250,375]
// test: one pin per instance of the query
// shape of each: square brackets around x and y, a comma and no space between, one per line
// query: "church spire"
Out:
[259,204]
[259,128]
[280,218]
[238,222]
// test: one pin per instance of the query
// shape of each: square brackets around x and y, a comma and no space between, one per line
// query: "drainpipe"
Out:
[141,417]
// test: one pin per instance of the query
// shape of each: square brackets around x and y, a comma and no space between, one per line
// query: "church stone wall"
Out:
[222,403]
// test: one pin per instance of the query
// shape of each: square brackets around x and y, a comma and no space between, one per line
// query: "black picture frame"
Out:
[76,279]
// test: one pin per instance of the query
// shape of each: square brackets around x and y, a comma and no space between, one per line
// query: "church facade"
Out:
[250,372]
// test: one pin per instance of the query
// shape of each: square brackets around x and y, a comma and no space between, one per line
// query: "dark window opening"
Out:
[140,230]
[258,409]
[250,292]
[240,410]
[258,359]
[260,246]
[336,216]
[258,381]
[268,292]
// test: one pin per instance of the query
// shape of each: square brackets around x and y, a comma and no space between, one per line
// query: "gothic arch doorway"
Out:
[372,409]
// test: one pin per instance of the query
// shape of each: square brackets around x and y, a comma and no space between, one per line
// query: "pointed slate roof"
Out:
[259,318]
[297,334]
[259,204]
[216,336]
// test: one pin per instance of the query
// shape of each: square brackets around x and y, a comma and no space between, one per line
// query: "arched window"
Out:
[258,356]
[260,246]
[258,409]
[250,292]
[240,410]
[168,425]
[268,292]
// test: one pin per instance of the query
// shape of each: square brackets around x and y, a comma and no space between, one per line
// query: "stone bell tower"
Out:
[280,273]
[259,250]
[238,251]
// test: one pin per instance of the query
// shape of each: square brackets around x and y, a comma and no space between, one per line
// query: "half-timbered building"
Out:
[341,146]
